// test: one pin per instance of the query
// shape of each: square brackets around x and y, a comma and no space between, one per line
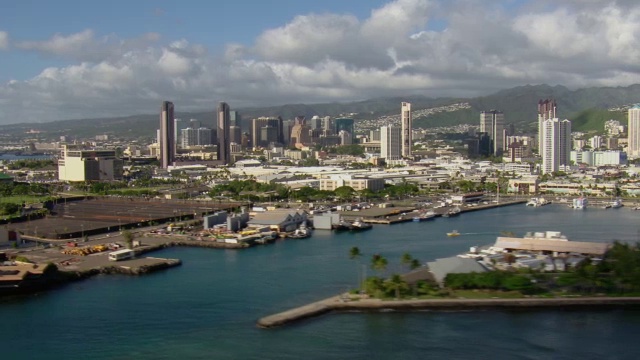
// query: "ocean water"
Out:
[207,308]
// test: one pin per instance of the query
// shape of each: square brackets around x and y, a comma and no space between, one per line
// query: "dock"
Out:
[303,312]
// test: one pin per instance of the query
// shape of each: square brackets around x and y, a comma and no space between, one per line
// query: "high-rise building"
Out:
[390,142]
[633,128]
[492,123]
[235,134]
[406,122]
[273,135]
[224,148]
[300,133]
[235,119]
[327,124]
[178,125]
[374,135]
[345,124]
[556,144]
[546,110]
[197,137]
[345,137]
[167,135]
[316,122]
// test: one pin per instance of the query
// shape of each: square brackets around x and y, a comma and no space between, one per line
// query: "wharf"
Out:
[344,303]
[139,266]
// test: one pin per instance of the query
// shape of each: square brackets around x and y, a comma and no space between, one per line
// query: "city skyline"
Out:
[75,60]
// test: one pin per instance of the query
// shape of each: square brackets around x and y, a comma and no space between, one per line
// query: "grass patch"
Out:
[28,199]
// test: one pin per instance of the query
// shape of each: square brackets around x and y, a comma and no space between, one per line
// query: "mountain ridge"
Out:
[519,105]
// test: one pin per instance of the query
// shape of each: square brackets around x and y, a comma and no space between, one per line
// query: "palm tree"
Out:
[354,253]
[406,259]
[396,283]
[415,263]
[378,262]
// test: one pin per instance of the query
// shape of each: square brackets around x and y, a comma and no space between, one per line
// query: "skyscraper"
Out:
[492,123]
[224,148]
[167,135]
[634,132]
[345,124]
[390,142]
[546,110]
[406,121]
[258,124]
[556,144]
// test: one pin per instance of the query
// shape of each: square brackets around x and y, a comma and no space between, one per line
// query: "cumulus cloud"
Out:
[327,57]
[4,40]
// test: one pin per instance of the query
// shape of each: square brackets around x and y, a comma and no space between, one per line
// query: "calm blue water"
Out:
[207,308]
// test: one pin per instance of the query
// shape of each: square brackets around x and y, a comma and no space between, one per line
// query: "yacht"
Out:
[615,204]
[359,225]
[453,233]
[302,232]
[536,202]
[452,212]
[579,203]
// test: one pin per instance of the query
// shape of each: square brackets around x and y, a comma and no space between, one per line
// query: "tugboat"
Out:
[452,212]
[302,232]
[359,225]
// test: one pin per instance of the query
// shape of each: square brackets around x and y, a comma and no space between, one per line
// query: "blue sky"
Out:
[75,59]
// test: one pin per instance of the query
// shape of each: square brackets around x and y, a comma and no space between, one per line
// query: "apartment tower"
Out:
[633,129]
[167,135]
[406,123]
[546,110]
[556,144]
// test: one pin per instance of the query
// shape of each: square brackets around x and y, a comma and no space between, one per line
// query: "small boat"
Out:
[579,203]
[453,233]
[302,232]
[615,204]
[537,202]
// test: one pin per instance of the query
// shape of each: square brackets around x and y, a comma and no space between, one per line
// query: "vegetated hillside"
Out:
[519,105]
[594,119]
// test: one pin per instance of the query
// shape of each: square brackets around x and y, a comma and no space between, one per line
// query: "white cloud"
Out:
[4,40]
[329,57]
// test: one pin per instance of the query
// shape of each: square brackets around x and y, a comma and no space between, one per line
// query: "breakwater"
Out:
[343,303]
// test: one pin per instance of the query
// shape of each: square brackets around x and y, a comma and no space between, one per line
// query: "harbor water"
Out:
[207,308]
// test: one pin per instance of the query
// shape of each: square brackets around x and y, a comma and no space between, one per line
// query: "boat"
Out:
[537,202]
[302,232]
[579,203]
[424,216]
[452,212]
[359,225]
[453,233]
[617,203]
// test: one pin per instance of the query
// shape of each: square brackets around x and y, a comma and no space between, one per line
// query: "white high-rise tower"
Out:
[390,142]
[633,148]
[406,122]
[492,123]
[556,144]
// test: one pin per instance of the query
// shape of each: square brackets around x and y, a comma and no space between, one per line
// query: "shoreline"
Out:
[337,304]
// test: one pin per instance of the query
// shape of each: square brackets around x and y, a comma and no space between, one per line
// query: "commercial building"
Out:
[77,164]
[406,121]
[599,158]
[267,130]
[224,138]
[633,148]
[300,133]
[492,123]
[344,124]
[357,183]
[556,145]
[390,142]
[196,137]
[167,139]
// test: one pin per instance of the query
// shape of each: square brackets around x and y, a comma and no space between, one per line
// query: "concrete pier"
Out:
[344,303]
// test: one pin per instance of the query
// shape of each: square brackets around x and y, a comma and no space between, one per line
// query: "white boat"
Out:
[579,203]
[358,225]
[452,212]
[536,202]
[615,204]
[302,232]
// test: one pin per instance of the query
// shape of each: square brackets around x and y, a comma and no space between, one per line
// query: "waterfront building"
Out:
[546,111]
[224,151]
[634,132]
[167,139]
[492,123]
[79,164]
[278,220]
[556,145]
[406,122]
[390,142]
